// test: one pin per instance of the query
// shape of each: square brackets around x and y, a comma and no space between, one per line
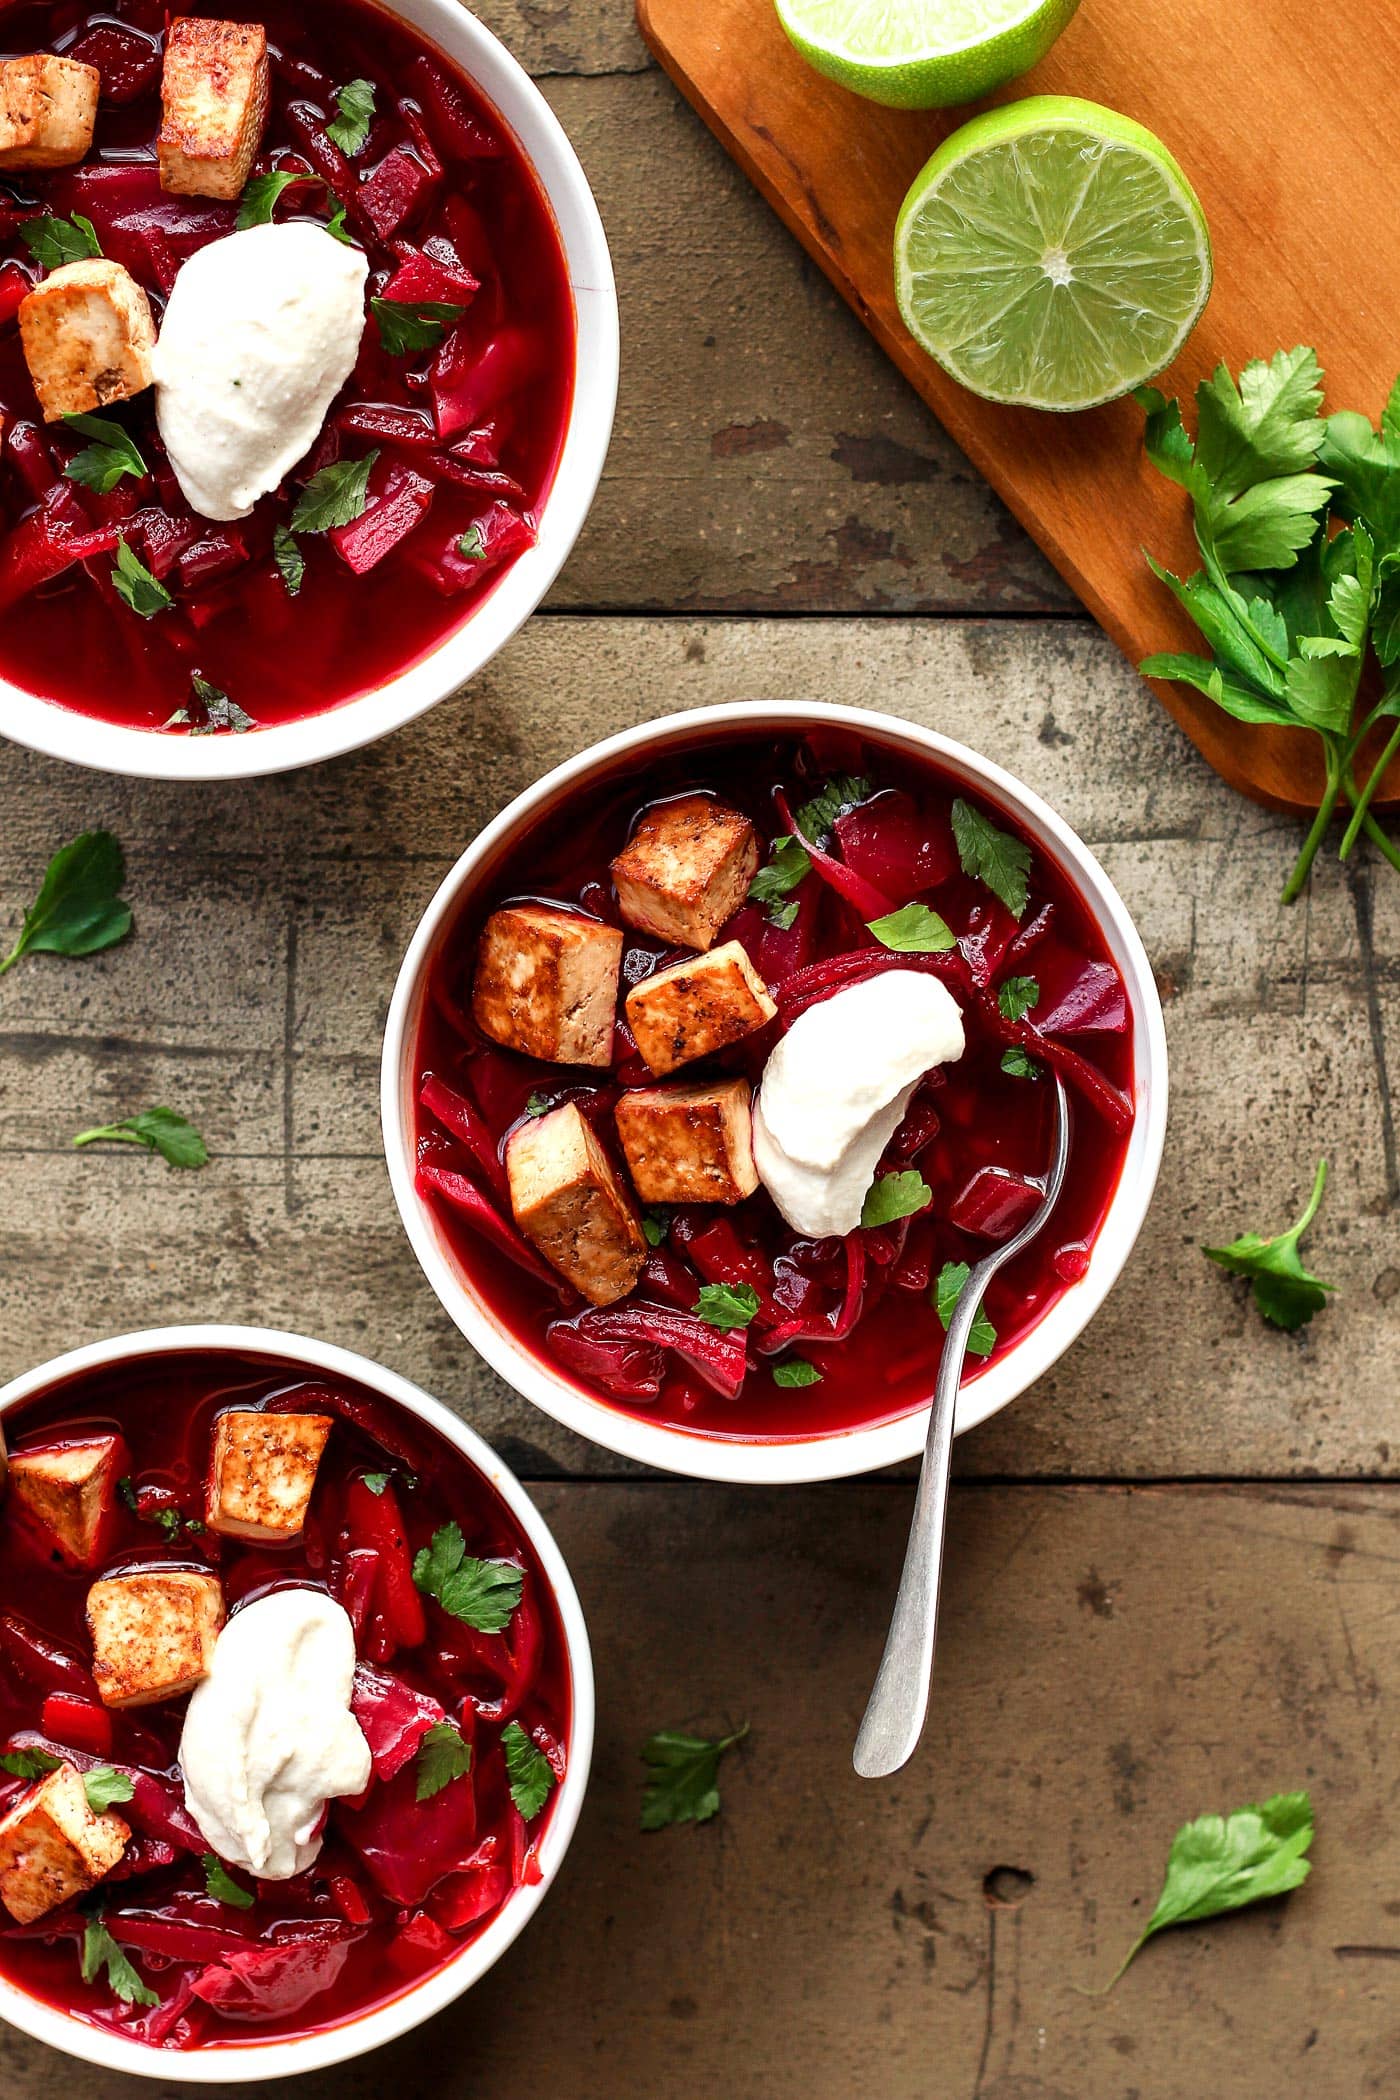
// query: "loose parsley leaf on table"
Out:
[816,819]
[134,583]
[29,1764]
[406,325]
[726,1305]
[682,1777]
[796,1372]
[160,1130]
[952,1278]
[103,1786]
[1285,1292]
[100,1951]
[788,864]
[54,242]
[528,1769]
[350,130]
[112,454]
[336,496]
[1222,1863]
[914,930]
[996,858]
[895,1196]
[78,910]
[481,1593]
[220,1884]
[442,1756]
[260,198]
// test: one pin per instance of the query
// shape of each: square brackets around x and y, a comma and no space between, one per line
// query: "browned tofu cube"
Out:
[697,1007]
[214,89]
[67,1495]
[569,1200]
[263,1472]
[48,107]
[153,1633]
[689,1144]
[686,869]
[88,336]
[52,1846]
[546,984]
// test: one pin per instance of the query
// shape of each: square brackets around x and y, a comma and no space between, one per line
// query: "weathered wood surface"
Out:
[271,917]
[1111,1664]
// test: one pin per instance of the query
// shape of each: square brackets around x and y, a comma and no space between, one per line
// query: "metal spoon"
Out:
[894,1719]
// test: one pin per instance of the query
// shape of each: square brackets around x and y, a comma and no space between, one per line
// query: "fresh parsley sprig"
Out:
[895,1196]
[53,242]
[952,1280]
[483,1594]
[1285,1292]
[406,325]
[220,1884]
[112,454]
[29,1764]
[136,586]
[997,859]
[726,1305]
[529,1771]
[682,1784]
[1291,611]
[104,1786]
[160,1130]
[336,496]
[788,864]
[100,1951]
[914,929]
[442,1756]
[79,909]
[350,130]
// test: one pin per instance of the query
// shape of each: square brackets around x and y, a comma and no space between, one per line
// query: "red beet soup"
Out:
[466,1728]
[853,859]
[460,396]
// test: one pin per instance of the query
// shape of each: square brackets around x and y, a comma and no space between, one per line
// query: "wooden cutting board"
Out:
[1274,109]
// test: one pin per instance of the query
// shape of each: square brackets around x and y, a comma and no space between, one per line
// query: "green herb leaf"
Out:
[220,1884]
[375,1482]
[29,1764]
[160,1130]
[481,1593]
[529,1771]
[816,819]
[337,228]
[952,1278]
[291,562]
[1017,996]
[54,242]
[471,546]
[442,1757]
[538,1105]
[78,910]
[726,1305]
[788,864]
[895,1196]
[103,1786]
[994,857]
[1017,1065]
[100,1951]
[1221,1863]
[336,496]
[914,930]
[350,130]
[796,1372]
[259,200]
[1285,1292]
[111,455]
[219,711]
[137,587]
[682,1783]
[406,325]
[655,1226]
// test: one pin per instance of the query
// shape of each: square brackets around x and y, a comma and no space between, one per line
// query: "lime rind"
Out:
[923,54]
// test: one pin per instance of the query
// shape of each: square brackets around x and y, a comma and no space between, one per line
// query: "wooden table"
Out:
[1170,1579]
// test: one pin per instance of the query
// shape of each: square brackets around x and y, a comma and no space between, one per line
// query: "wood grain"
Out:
[1294,188]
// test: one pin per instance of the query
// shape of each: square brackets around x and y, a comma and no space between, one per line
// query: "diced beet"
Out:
[418,1940]
[627,1370]
[42,1661]
[261,1983]
[180,1939]
[994,1204]
[468,1896]
[1029,935]
[670,1279]
[409,1845]
[986,939]
[213,557]
[143,1855]
[15,288]
[467,1199]
[396,192]
[368,540]
[720,1356]
[376,1521]
[465,1121]
[420,278]
[896,848]
[393,1717]
[456,131]
[42,546]
[164,538]
[1071,1261]
[481,447]
[853,889]
[498,535]
[128,62]
[445,465]
[506,363]
[821,979]
[412,118]
[307,125]
[389,426]
[28,451]
[80,1723]
[1087,999]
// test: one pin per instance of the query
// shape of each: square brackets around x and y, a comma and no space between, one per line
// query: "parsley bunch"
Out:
[1292,611]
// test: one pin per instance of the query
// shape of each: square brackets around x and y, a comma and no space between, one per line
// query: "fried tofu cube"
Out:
[88,336]
[569,1200]
[153,1633]
[263,1472]
[689,1144]
[546,984]
[215,91]
[52,1846]
[696,1007]
[68,1495]
[686,869]
[48,107]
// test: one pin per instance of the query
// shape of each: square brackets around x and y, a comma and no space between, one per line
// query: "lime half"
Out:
[1051,254]
[924,54]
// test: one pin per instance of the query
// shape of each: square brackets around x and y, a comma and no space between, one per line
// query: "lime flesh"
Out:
[923,54]
[1051,254]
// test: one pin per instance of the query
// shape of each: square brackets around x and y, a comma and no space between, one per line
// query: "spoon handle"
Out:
[894,1718]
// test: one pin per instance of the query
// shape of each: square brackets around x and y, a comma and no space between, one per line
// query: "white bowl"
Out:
[830,1456]
[146,754]
[230,2063]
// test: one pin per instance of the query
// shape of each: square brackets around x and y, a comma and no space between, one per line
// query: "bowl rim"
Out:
[56,731]
[240,2062]
[832,1456]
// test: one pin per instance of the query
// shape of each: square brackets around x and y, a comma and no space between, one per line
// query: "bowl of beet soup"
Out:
[486,415]
[167,1966]
[679,1318]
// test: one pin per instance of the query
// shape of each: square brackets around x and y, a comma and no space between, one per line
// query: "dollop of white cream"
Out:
[835,1090]
[269,1738]
[261,333]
